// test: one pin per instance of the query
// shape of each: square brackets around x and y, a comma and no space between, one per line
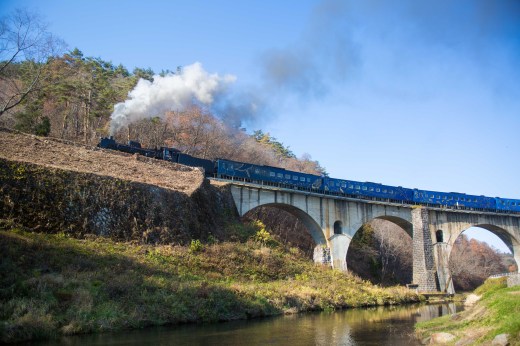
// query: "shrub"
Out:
[196,246]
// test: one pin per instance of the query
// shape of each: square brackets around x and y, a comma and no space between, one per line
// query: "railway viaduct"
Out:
[332,221]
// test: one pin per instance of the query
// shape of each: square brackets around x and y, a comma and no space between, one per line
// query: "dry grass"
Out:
[53,284]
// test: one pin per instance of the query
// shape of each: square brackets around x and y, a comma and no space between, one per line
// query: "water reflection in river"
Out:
[374,326]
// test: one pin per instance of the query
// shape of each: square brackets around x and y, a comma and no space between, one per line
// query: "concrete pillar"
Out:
[441,252]
[423,261]
[516,256]
[339,246]
[321,254]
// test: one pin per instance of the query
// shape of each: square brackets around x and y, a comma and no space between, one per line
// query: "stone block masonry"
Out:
[424,270]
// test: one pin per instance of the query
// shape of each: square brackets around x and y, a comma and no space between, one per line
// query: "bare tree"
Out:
[26,47]
[472,262]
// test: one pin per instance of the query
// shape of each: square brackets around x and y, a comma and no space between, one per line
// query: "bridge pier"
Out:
[444,279]
[423,259]
[339,246]
[322,255]
[516,255]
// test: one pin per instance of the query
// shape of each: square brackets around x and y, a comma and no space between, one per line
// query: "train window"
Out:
[337,184]
[308,180]
[384,190]
[294,177]
[287,176]
[257,171]
[432,196]
[343,185]
[391,192]
[358,187]
[371,189]
[438,197]
[444,197]
[364,188]
[279,175]
[350,186]
[272,174]
[378,190]
[302,178]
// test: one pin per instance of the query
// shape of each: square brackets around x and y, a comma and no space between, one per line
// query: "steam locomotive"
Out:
[275,176]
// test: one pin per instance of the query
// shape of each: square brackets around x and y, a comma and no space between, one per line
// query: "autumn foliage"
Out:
[473,261]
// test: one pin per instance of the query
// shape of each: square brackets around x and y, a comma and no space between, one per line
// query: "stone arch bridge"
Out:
[332,221]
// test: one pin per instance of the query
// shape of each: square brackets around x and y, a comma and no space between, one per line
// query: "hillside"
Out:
[54,153]
[54,186]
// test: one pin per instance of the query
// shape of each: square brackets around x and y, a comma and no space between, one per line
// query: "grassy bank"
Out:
[497,312]
[52,285]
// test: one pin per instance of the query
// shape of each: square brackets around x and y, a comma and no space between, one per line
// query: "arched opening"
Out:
[478,253]
[439,236]
[338,227]
[381,252]
[289,225]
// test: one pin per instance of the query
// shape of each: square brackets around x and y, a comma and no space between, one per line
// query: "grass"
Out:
[497,312]
[53,285]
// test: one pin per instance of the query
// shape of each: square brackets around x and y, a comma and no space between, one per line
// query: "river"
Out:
[371,326]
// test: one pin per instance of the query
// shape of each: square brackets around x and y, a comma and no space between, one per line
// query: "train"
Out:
[280,177]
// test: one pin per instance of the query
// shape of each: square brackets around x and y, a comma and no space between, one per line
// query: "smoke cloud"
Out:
[392,46]
[173,92]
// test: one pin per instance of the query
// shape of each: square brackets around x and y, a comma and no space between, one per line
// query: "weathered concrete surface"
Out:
[513,280]
[321,213]
[333,221]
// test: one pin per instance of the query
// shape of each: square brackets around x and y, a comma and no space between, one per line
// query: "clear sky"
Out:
[414,93]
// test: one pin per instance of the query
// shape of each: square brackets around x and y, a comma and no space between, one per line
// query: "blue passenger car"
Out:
[369,190]
[273,175]
[507,204]
[453,199]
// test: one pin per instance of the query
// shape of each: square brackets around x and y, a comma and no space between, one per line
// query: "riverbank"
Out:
[53,285]
[494,313]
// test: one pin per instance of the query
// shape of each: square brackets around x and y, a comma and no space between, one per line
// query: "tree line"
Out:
[48,91]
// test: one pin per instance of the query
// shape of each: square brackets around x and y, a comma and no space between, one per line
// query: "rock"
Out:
[441,338]
[471,300]
[501,340]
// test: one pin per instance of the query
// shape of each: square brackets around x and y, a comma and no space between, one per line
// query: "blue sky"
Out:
[420,94]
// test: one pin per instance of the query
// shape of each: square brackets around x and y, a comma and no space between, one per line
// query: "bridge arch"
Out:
[389,259]
[406,225]
[310,224]
[511,241]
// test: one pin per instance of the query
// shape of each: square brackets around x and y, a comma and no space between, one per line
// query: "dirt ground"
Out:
[65,155]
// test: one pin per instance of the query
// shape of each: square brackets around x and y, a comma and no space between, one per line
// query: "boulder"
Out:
[441,338]
[501,340]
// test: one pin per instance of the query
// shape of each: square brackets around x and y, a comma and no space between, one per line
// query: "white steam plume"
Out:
[171,92]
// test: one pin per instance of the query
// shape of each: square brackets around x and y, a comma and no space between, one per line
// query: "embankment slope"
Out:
[55,186]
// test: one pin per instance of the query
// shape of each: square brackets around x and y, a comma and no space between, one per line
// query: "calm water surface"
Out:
[375,326]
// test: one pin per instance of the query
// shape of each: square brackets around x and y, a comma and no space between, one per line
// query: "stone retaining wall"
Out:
[54,200]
